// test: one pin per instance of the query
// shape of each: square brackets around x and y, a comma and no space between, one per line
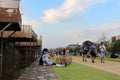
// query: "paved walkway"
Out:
[37,72]
[109,66]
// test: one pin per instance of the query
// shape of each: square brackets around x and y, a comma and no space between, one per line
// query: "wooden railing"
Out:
[26,32]
[10,15]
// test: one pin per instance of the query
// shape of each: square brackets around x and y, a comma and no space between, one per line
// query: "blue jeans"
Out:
[102,53]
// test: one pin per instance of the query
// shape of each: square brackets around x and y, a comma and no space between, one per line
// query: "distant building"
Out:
[114,38]
[118,37]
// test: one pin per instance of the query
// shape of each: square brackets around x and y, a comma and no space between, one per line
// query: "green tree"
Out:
[87,43]
[114,47]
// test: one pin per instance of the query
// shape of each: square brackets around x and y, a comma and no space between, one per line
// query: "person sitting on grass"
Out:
[45,60]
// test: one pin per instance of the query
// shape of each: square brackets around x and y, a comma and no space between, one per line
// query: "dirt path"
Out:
[109,66]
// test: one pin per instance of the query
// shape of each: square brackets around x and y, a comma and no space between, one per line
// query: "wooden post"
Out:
[1,55]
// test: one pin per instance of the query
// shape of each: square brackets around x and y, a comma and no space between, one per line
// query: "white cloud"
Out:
[83,34]
[9,3]
[36,25]
[68,10]
[72,36]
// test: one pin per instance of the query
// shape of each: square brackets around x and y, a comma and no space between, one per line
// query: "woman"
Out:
[45,60]
[102,52]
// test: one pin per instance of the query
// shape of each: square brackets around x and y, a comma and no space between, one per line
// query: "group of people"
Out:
[47,61]
[94,51]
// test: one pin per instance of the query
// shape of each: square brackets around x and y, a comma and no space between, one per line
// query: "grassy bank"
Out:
[113,59]
[81,72]
[107,59]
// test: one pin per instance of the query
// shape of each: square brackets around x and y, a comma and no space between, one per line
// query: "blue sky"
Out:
[64,22]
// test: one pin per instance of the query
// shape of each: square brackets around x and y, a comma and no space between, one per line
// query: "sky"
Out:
[64,22]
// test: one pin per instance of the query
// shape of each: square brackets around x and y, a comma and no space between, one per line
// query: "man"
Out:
[93,51]
[85,51]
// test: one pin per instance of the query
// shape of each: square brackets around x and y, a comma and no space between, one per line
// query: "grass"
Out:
[26,69]
[107,59]
[76,71]
[113,59]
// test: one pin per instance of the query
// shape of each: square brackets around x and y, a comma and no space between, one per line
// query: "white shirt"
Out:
[46,60]
[102,48]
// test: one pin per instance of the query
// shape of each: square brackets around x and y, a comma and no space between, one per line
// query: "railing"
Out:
[29,31]
[26,32]
[10,15]
[34,44]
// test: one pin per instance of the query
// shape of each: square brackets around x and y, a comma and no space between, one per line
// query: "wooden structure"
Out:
[33,44]
[25,35]
[19,45]
[27,45]
[10,14]
[10,20]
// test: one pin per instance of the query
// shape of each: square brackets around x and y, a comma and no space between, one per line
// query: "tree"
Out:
[114,47]
[103,37]
[87,43]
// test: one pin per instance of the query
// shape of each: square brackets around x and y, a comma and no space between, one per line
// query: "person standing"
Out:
[67,52]
[85,51]
[93,51]
[102,52]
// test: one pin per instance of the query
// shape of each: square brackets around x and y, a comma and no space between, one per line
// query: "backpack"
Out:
[41,61]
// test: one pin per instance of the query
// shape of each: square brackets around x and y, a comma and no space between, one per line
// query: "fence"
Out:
[10,13]
[16,59]
[26,33]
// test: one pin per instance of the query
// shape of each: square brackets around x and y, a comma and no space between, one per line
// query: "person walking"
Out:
[102,52]
[85,51]
[93,51]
